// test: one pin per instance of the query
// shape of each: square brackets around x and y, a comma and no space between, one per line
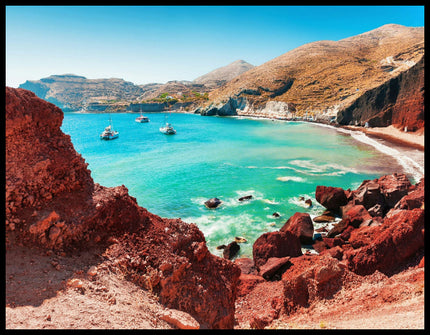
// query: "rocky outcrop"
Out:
[228,108]
[399,237]
[398,102]
[72,92]
[380,240]
[311,278]
[361,244]
[52,203]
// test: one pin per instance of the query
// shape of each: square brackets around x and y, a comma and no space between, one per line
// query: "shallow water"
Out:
[276,162]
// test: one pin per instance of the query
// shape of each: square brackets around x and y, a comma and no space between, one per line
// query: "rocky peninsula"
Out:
[81,255]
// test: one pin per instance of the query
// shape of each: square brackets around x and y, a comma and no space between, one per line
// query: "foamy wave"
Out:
[271,202]
[313,169]
[199,200]
[290,178]
[409,165]
[314,210]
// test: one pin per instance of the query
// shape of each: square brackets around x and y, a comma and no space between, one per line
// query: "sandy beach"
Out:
[394,135]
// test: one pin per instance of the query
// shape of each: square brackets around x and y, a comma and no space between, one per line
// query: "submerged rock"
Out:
[213,203]
[246,197]
[231,250]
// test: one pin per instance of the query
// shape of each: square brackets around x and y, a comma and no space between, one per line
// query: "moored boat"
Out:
[142,118]
[109,133]
[168,129]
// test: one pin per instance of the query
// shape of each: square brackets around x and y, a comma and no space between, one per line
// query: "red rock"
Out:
[394,187]
[361,237]
[246,266]
[414,199]
[408,110]
[335,252]
[339,227]
[319,246]
[179,319]
[388,245]
[246,283]
[368,194]
[358,215]
[301,225]
[311,278]
[274,266]
[44,174]
[345,235]
[331,198]
[231,250]
[421,264]
[275,244]
[323,218]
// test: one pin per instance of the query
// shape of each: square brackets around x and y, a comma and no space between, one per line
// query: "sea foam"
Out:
[292,178]
[409,165]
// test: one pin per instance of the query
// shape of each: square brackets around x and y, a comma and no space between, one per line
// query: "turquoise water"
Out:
[276,162]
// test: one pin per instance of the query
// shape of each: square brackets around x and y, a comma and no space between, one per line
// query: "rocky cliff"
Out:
[325,77]
[71,92]
[399,101]
[52,203]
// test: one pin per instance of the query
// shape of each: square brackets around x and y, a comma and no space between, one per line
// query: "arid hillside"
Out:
[224,74]
[328,75]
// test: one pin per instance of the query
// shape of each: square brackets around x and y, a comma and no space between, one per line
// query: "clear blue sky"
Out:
[145,44]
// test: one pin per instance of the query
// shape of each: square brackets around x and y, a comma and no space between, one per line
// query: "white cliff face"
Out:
[272,109]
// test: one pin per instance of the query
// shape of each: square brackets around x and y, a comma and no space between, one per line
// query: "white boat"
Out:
[141,118]
[168,129]
[109,133]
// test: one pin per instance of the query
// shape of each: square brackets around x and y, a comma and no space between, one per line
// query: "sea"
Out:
[278,163]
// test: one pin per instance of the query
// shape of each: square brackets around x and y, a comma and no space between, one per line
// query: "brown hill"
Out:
[327,76]
[175,88]
[222,75]
[69,91]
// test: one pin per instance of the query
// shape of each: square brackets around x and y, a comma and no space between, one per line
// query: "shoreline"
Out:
[393,135]
[390,134]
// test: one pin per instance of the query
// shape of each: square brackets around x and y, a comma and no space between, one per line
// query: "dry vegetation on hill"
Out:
[322,74]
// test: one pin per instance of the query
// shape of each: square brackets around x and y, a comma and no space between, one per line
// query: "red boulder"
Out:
[301,225]
[311,278]
[275,244]
[331,197]
[388,245]
[358,215]
[394,187]
[414,199]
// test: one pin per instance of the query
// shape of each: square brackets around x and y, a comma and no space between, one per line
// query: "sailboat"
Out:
[167,129]
[141,118]
[109,133]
